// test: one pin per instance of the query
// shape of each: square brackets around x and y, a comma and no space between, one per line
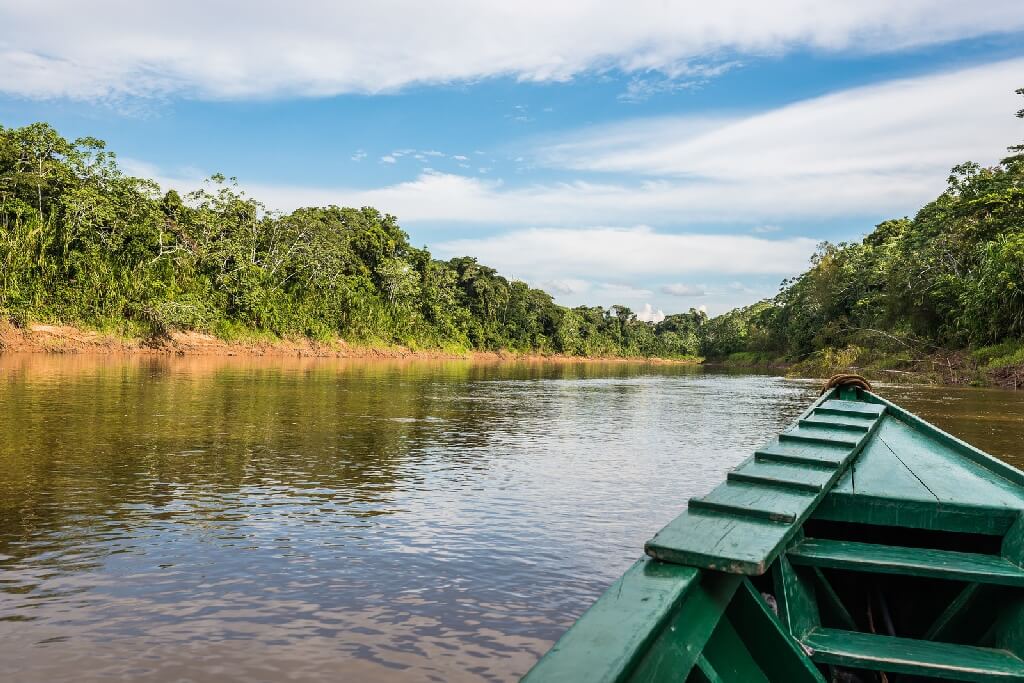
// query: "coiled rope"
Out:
[846,380]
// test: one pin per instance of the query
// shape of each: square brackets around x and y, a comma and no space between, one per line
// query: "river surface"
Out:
[224,519]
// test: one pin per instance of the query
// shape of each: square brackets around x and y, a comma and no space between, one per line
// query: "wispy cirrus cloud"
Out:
[210,49]
[867,151]
[906,127]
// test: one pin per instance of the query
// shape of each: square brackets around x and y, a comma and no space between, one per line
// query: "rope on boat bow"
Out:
[845,380]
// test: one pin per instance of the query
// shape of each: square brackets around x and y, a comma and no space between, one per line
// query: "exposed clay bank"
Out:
[47,338]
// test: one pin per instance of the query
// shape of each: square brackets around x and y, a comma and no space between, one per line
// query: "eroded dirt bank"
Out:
[46,338]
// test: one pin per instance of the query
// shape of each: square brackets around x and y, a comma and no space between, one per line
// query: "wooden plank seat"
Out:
[926,562]
[913,657]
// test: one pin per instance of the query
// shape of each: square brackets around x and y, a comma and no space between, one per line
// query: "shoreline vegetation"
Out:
[93,260]
[38,338]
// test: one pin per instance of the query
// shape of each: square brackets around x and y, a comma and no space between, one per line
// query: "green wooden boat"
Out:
[861,544]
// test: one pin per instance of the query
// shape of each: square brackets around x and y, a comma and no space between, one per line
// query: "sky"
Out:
[660,155]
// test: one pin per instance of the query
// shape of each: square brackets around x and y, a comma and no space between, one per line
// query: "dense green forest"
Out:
[909,294]
[83,243]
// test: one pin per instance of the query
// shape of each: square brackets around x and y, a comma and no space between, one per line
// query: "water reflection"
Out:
[165,519]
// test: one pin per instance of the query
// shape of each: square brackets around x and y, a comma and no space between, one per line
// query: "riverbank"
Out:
[69,339]
[1000,365]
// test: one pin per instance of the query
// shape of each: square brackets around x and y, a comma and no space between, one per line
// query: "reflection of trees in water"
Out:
[88,443]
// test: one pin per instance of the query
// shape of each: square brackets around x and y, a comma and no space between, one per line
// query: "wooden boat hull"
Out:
[861,544]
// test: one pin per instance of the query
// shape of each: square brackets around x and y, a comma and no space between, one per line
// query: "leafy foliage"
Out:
[950,277]
[80,242]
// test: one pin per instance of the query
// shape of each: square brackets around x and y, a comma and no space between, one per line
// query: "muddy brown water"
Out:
[222,519]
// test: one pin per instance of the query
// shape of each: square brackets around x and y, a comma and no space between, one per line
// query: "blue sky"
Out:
[658,155]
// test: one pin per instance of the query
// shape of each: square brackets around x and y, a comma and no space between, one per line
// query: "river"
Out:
[221,519]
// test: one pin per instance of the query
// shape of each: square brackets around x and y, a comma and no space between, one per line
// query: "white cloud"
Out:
[546,254]
[898,130]
[208,48]
[680,289]
[881,150]
[642,88]
[615,292]
[358,155]
[763,229]
[564,286]
[388,159]
[460,157]
[648,314]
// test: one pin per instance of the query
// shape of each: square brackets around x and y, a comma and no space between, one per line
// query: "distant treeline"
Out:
[952,277]
[82,243]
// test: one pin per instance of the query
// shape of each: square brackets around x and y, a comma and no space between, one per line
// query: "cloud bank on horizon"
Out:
[658,190]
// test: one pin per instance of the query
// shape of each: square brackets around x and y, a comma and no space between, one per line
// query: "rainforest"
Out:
[83,243]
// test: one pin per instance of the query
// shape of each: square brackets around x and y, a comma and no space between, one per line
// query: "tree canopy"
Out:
[83,243]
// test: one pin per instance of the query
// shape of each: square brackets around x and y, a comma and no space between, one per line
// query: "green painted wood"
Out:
[765,502]
[900,472]
[903,463]
[704,672]
[913,657]
[699,505]
[852,407]
[1013,542]
[776,653]
[608,641]
[675,650]
[930,463]
[728,653]
[725,546]
[838,423]
[725,543]
[794,594]
[829,603]
[803,454]
[883,559]
[1008,632]
[843,506]
[834,417]
[764,480]
[819,435]
[975,455]
[843,412]
[813,478]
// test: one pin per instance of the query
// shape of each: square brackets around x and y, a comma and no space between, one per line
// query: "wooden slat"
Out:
[702,505]
[844,506]
[764,480]
[835,423]
[834,417]
[853,407]
[883,559]
[814,478]
[801,454]
[820,435]
[913,657]
[730,530]
[764,502]
[724,543]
